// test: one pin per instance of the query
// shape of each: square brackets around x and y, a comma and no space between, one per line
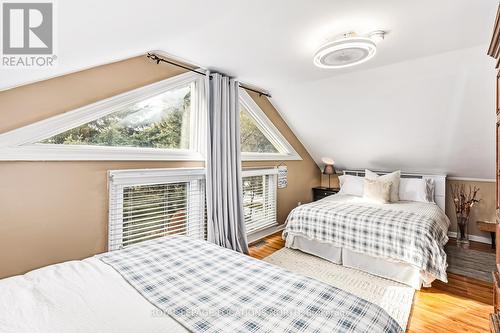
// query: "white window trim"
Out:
[286,151]
[128,177]
[131,177]
[21,144]
[250,172]
[258,171]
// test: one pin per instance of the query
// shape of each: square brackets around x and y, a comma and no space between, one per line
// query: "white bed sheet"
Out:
[77,296]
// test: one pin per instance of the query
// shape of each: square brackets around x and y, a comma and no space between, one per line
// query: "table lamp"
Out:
[329,170]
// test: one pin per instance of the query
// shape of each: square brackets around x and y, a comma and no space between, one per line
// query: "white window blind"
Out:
[151,203]
[259,198]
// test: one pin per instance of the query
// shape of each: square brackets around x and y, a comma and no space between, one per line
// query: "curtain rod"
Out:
[159,59]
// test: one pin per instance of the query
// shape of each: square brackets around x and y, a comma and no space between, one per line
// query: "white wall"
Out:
[434,114]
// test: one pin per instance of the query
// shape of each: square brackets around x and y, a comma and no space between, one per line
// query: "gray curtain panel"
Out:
[225,218]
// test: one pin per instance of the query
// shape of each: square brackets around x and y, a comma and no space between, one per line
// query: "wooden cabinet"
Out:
[494,323]
[494,51]
[496,287]
[497,170]
[498,92]
[495,316]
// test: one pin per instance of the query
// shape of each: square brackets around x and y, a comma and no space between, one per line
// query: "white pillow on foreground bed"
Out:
[421,190]
[352,185]
[392,177]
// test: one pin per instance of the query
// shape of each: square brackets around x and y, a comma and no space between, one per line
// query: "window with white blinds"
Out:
[259,198]
[151,203]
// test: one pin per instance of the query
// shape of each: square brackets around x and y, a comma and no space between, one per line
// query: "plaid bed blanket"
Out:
[413,233]
[207,288]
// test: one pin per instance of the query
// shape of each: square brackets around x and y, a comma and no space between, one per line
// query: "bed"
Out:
[176,284]
[402,241]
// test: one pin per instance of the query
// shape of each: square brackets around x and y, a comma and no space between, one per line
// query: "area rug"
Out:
[395,298]
[470,263]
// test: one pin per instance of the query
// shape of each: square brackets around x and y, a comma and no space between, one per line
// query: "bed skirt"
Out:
[392,270]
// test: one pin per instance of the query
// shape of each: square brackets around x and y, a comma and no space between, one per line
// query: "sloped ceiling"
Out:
[425,103]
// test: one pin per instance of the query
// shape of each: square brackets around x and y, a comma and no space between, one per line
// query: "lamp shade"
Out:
[329,169]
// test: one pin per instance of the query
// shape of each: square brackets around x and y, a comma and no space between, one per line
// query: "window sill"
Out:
[270,157]
[44,152]
[258,235]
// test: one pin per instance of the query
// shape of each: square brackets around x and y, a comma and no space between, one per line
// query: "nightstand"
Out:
[323,192]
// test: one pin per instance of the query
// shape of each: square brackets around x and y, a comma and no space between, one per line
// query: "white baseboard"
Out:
[264,233]
[480,239]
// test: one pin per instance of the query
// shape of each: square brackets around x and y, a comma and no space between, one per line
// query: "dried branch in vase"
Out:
[464,199]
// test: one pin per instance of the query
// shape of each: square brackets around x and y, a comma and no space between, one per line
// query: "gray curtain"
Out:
[225,218]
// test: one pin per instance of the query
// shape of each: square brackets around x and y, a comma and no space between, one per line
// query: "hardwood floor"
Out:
[461,305]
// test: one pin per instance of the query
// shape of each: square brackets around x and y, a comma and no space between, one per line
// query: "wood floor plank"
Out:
[461,305]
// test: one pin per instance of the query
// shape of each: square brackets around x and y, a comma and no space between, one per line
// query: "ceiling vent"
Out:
[348,51]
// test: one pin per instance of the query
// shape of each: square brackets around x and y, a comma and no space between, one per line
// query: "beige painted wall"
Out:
[33,102]
[56,211]
[302,175]
[483,211]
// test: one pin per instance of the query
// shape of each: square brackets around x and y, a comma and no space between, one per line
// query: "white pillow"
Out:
[421,190]
[377,190]
[392,177]
[352,185]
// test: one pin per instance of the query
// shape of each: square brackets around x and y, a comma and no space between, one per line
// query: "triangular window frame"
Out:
[22,144]
[266,126]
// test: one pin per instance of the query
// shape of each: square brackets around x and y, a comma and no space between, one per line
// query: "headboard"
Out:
[439,183]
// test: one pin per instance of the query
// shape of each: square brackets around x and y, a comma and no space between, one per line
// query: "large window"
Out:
[147,204]
[165,120]
[162,121]
[259,198]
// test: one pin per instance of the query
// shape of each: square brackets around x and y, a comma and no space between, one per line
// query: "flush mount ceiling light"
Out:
[348,51]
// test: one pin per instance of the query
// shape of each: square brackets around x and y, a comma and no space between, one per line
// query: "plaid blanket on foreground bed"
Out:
[211,289]
[410,232]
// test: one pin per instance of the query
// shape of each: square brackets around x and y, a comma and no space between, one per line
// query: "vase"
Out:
[463,231]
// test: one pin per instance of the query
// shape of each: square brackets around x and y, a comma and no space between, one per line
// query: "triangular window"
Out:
[260,139]
[161,121]
[252,138]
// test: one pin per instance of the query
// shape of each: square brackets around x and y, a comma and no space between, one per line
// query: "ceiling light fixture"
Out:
[377,36]
[348,51]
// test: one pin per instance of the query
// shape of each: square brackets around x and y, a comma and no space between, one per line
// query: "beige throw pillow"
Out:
[393,177]
[377,190]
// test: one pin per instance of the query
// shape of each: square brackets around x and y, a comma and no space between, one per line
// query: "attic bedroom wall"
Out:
[434,114]
[56,211]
